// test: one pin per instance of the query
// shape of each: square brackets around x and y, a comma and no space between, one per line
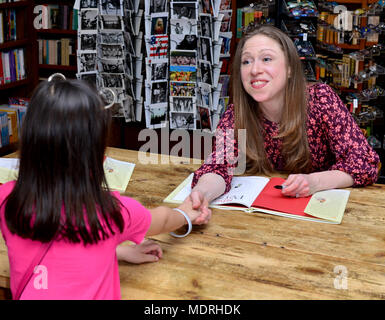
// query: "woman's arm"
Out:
[209,187]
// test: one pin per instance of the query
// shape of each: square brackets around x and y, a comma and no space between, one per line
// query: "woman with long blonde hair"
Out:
[291,127]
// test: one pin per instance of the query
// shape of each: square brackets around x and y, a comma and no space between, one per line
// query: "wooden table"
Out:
[254,255]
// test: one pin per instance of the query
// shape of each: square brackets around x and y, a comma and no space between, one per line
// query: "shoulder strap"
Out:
[28,274]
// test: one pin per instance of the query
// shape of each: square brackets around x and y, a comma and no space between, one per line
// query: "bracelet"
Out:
[188,223]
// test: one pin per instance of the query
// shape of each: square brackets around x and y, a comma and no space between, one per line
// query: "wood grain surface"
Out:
[253,255]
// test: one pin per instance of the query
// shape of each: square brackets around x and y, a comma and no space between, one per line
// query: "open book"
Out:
[253,193]
[118,173]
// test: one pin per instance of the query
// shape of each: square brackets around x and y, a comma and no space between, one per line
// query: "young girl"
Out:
[58,199]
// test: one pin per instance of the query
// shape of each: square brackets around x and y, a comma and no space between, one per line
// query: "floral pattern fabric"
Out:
[335,142]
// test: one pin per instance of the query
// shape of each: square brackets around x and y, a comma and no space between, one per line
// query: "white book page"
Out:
[243,191]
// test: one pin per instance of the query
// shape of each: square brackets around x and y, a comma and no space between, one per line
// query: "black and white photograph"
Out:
[112,80]
[111,7]
[86,62]
[158,70]
[111,51]
[184,42]
[88,19]
[111,66]
[84,4]
[110,37]
[205,98]
[89,77]
[111,23]
[87,41]
[183,26]
[128,109]
[206,74]
[156,115]
[206,49]
[188,10]
[182,104]
[159,92]
[182,89]
[182,120]
[117,110]
[206,25]
[183,58]
[204,118]
[157,6]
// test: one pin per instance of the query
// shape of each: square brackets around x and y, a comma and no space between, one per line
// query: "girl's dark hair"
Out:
[61,188]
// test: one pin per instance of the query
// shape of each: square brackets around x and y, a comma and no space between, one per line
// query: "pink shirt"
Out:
[73,271]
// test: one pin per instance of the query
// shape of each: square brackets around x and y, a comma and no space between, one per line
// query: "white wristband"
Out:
[188,223]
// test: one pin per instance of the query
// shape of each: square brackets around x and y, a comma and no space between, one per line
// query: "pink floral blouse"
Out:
[335,141]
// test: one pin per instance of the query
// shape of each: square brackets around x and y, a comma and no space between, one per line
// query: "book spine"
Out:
[239,23]
[12,65]
[7,73]
[1,70]
[1,28]
[12,17]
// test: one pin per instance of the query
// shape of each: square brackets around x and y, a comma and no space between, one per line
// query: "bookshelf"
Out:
[22,40]
[56,38]
[17,54]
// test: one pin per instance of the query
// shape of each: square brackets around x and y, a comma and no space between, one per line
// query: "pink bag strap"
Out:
[28,274]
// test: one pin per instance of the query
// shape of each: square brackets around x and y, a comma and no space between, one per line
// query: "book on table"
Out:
[118,173]
[258,194]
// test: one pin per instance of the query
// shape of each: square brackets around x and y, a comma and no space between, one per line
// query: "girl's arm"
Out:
[165,219]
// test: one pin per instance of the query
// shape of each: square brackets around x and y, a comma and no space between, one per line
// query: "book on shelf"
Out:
[258,194]
[118,173]
[12,66]
[7,25]
[20,106]
[4,139]
[12,123]
[55,51]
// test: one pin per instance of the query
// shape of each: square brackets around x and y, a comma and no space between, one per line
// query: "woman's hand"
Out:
[147,251]
[300,185]
[197,208]
[303,185]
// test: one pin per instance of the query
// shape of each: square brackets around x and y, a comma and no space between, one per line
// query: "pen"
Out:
[279,186]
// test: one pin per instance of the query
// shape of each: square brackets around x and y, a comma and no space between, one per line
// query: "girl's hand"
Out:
[300,185]
[197,208]
[147,251]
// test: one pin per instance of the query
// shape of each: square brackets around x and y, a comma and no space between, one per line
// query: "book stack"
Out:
[12,66]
